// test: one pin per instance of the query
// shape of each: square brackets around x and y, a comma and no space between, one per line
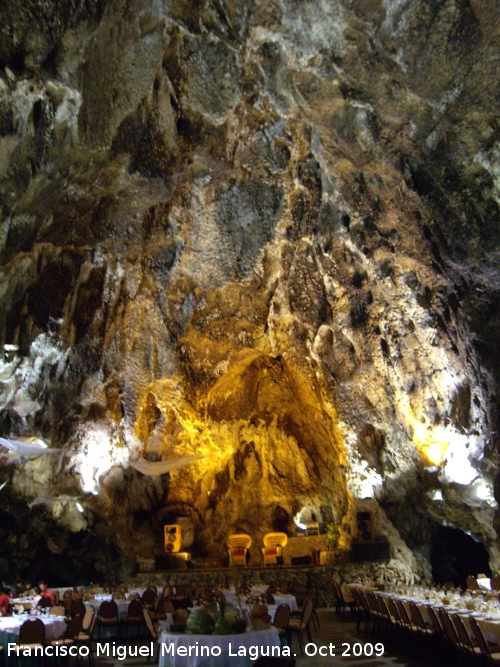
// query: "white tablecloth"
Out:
[489,621]
[55,626]
[253,643]
[122,605]
[278,598]
[484,583]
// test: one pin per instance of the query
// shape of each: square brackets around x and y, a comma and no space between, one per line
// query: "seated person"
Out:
[4,602]
[46,592]
[26,590]
[37,598]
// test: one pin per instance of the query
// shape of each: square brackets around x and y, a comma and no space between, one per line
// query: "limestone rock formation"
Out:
[262,232]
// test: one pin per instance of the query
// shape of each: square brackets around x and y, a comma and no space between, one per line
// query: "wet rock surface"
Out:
[262,232]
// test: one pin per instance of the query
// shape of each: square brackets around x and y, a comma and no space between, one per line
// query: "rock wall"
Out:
[261,232]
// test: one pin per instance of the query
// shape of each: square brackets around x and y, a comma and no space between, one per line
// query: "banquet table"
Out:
[222,650]
[122,605]
[484,583]
[279,598]
[55,627]
[488,622]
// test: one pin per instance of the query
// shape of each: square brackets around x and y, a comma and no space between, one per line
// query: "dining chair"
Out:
[468,645]
[405,617]
[85,636]
[394,612]
[435,621]
[31,638]
[57,610]
[149,598]
[343,600]
[490,653]
[135,617]
[298,626]
[77,608]
[181,597]
[152,630]
[360,607]
[449,630]
[70,636]
[67,601]
[416,615]
[282,619]
[108,616]
[376,613]
[471,582]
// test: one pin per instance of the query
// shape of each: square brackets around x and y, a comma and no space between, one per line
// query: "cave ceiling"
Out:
[260,239]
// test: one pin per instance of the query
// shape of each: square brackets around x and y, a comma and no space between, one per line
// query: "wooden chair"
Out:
[298,626]
[161,609]
[471,582]
[361,607]
[435,621]
[342,600]
[149,598]
[408,624]
[387,618]
[67,601]
[135,616]
[181,597]
[153,633]
[418,620]
[77,608]
[490,652]
[57,610]
[85,636]
[31,638]
[282,619]
[70,636]
[273,547]
[394,612]
[469,646]
[108,616]
[377,612]
[449,630]
[237,547]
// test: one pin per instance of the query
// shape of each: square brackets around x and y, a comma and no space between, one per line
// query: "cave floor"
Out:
[342,633]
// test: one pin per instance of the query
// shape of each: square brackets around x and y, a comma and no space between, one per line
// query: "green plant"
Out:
[332,535]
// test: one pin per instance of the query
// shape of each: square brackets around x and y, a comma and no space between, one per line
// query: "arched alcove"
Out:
[455,554]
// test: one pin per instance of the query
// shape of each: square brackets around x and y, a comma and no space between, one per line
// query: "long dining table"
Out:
[279,598]
[10,627]
[488,620]
[236,650]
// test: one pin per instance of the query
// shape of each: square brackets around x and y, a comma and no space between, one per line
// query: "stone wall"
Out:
[261,237]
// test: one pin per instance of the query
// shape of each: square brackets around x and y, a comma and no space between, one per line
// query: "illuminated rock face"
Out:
[265,233]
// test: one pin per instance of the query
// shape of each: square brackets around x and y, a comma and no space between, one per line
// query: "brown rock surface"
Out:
[265,232]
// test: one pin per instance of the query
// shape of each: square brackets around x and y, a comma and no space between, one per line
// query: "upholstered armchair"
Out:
[237,547]
[273,547]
